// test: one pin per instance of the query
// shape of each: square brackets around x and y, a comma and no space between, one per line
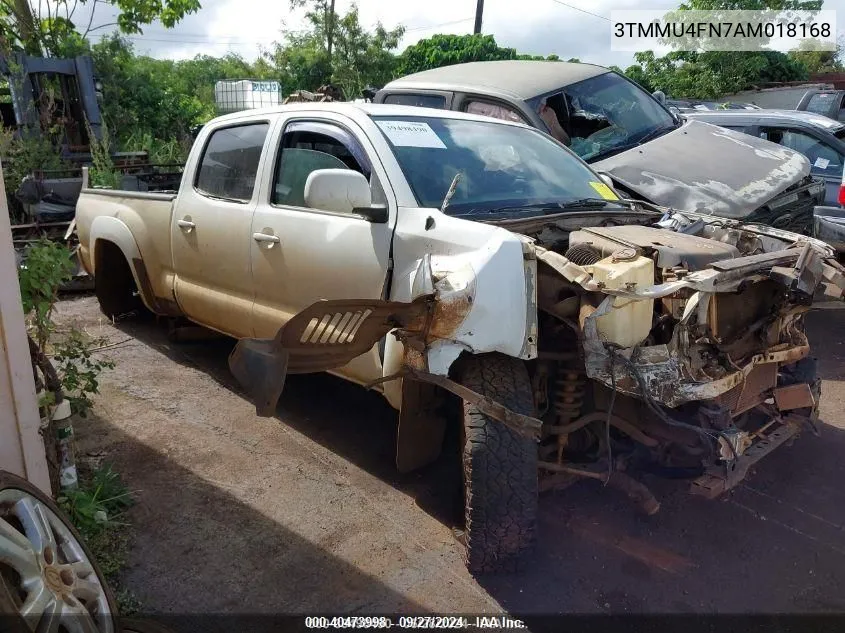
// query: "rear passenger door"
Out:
[210,228]
[301,255]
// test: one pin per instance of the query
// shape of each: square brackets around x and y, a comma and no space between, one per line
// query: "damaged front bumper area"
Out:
[727,369]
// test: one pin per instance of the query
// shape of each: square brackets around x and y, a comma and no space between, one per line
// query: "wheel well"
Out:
[108,256]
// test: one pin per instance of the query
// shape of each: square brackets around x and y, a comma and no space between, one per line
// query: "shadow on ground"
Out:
[213,539]
[776,544]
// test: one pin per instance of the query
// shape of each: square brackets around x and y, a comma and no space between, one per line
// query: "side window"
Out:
[494,110]
[307,147]
[421,101]
[230,162]
[824,160]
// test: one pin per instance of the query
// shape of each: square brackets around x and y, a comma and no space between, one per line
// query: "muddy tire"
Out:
[499,467]
[114,286]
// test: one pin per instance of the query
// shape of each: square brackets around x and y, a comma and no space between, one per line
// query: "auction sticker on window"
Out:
[411,134]
[604,191]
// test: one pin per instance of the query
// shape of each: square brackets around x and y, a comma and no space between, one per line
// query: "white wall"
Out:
[21,447]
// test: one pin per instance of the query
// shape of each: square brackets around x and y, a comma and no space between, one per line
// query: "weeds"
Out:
[161,152]
[103,172]
[99,504]
[97,508]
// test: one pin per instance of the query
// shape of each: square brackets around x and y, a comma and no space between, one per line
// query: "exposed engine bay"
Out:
[672,343]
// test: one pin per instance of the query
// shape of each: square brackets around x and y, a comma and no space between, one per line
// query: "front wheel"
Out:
[499,467]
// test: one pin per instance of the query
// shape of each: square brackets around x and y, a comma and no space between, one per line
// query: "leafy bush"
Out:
[47,266]
[79,370]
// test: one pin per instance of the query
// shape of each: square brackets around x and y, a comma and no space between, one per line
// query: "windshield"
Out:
[500,166]
[608,112]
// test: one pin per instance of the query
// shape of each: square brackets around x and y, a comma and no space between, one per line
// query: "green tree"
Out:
[445,50]
[363,58]
[815,60]
[360,57]
[712,74]
[48,28]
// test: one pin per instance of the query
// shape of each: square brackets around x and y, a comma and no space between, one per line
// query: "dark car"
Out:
[623,131]
[687,105]
[819,138]
[829,103]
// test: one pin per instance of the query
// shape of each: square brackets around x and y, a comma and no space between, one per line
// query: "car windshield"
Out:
[500,166]
[607,112]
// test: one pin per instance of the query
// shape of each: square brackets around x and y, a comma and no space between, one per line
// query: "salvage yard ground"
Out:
[306,513]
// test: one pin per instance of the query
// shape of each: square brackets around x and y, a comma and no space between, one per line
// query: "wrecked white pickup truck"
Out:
[427,253]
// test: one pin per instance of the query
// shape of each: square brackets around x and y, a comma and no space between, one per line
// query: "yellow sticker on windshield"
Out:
[604,191]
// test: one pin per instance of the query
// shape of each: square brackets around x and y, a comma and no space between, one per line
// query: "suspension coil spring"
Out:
[568,401]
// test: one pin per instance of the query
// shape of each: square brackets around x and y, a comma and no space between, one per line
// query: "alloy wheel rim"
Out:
[53,582]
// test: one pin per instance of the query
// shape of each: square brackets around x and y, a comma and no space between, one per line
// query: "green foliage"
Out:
[359,58]
[79,370]
[362,58]
[98,503]
[160,151]
[445,50]
[47,266]
[102,172]
[712,74]
[97,508]
[25,153]
[752,5]
[815,60]
[49,29]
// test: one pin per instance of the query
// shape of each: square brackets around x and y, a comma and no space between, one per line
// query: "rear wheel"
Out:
[499,467]
[114,284]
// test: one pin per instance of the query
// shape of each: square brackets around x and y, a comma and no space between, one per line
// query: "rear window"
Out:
[420,101]
[230,162]
[822,102]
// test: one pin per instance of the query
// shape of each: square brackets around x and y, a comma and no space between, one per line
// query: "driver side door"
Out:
[300,255]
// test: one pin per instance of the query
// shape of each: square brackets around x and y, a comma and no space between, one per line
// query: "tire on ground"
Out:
[499,467]
[114,285]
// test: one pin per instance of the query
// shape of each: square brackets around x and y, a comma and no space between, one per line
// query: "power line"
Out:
[200,38]
[595,15]
[437,26]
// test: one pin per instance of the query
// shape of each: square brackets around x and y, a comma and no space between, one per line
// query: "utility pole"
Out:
[479,12]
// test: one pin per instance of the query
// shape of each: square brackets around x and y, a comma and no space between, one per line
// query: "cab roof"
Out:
[356,110]
[522,79]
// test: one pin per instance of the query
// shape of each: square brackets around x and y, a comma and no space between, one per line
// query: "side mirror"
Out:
[342,191]
[606,179]
[660,96]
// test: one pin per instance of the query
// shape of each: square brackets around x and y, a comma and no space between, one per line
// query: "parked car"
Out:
[820,139]
[779,97]
[688,105]
[431,254]
[624,132]
[829,103]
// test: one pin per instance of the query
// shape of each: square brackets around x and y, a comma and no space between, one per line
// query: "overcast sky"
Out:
[581,29]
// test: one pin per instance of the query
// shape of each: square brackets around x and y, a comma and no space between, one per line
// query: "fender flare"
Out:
[111,229]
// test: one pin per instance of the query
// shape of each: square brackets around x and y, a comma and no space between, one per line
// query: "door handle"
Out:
[264,237]
[185,224]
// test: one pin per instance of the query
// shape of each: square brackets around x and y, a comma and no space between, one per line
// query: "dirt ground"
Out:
[305,512]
